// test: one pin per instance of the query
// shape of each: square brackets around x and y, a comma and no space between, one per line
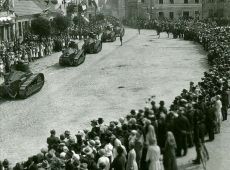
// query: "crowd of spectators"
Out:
[153,137]
[29,50]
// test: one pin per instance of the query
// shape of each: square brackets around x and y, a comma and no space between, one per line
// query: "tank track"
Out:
[32,85]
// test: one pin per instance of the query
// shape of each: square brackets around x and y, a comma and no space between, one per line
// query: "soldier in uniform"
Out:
[53,141]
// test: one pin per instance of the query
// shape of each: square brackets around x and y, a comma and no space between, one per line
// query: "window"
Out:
[197,14]
[186,14]
[210,13]
[161,14]
[185,1]
[160,1]
[197,1]
[171,1]
[171,15]
[1,33]
[20,28]
[220,13]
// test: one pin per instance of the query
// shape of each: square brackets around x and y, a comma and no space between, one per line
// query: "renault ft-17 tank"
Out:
[20,82]
[92,45]
[72,56]
[119,30]
[108,34]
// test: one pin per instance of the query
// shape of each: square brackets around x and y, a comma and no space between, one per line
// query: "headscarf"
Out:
[151,135]
[170,139]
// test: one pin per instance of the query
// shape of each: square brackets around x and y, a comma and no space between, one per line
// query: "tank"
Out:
[72,56]
[108,34]
[92,45]
[21,83]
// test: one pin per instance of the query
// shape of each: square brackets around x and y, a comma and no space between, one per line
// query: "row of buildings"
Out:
[16,16]
[171,9]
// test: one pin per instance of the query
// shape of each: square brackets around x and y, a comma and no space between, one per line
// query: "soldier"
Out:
[121,39]
[53,141]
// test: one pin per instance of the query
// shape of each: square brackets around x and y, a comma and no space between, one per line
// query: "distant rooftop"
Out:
[25,7]
[32,7]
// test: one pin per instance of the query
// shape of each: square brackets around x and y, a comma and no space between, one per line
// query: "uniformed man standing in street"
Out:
[121,39]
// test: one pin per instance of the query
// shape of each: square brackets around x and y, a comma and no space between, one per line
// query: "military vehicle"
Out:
[21,83]
[108,34]
[92,44]
[72,56]
[119,30]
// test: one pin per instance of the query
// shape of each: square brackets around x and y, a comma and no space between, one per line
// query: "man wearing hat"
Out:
[53,141]
[162,108]
[103,159]
[95,131]
[6,165]
[181,130]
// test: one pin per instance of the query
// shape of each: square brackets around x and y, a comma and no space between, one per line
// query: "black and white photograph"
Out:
[114,84]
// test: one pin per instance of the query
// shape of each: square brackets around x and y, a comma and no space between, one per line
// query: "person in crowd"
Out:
[181,129]
[139,143]
[218,112]
[153,156]
[131,162]
[53,141]
[199,133]
[210,120]
[119,161]
[103,159]
[169,156]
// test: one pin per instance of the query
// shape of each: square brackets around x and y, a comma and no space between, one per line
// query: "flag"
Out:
[94,3]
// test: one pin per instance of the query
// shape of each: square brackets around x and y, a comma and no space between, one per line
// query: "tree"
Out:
[61,23]
[41,26]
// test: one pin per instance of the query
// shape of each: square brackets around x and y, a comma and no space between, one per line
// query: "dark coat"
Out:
[53,142]
[169,157]
[119,163]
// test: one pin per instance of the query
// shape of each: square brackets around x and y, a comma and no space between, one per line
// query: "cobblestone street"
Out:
[109,85]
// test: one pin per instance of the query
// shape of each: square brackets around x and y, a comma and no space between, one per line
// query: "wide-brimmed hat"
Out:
[133,132]
[87,150]
[97,143]
[76,157]
[102,152]
[91,143]
[44,150]
[67,132]
[62,155]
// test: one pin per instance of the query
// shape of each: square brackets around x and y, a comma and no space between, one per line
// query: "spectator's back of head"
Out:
[120,150]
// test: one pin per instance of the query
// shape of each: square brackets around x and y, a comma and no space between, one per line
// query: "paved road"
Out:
[72,96]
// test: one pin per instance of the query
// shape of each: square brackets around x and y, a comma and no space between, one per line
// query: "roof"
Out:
[22,8]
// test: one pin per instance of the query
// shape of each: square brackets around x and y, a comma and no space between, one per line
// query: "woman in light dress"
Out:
[131,163]
[153,156]
[218,113]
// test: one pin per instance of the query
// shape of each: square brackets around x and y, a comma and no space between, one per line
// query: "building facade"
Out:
[7,21]
[216,8]
[170,9]
[114,8]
